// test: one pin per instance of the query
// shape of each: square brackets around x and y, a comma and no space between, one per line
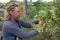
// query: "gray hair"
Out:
[6,15]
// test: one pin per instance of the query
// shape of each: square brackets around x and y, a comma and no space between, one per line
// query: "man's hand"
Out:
[37,20]
[43,26]
[18,38]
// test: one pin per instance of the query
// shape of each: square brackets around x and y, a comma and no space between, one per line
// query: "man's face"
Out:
[16,13]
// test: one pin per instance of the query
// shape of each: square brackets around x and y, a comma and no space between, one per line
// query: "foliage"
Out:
[50,15]
[49,12]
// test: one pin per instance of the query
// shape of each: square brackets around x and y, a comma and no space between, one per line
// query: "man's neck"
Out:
[13,20]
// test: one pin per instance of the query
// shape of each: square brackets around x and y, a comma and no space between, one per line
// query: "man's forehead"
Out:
[17,8]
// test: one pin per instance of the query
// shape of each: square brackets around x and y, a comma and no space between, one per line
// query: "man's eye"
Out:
[18,11]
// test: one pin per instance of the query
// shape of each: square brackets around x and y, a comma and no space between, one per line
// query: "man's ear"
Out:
[11,13]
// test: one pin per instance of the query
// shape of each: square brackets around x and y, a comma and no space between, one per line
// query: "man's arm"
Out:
[25,24]
[19,32]
[28,25]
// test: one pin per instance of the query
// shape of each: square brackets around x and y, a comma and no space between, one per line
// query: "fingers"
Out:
[44,25]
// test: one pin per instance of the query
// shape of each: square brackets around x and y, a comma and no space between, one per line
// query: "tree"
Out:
[25,8]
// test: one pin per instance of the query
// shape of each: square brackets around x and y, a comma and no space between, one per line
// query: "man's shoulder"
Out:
[7,23]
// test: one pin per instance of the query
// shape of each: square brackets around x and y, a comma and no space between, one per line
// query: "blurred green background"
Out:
[48,10]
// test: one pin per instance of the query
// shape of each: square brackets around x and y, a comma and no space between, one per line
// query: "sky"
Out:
[5,1]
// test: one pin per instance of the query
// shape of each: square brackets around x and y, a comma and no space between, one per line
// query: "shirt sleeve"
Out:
[25,24]
[19,32]
[28,25]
